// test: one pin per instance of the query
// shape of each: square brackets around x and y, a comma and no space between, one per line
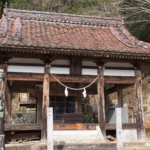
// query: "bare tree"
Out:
[136,10]
[136,14]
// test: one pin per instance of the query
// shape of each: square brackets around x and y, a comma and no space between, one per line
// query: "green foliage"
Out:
[1,4]
[141,30]
[84,7]
[136,14]
[1,7]
[20,4]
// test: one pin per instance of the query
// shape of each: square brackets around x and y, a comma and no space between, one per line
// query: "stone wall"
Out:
[89,109]
[23,118]
[25,114]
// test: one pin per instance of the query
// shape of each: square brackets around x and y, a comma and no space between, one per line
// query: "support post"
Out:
[1,142]
[120,97]
[7,106]
[45,104]
[39,108]
[101,102]
[50,128]
[106,106]
[139,107]
[119,128]
[79,97]
[2,104]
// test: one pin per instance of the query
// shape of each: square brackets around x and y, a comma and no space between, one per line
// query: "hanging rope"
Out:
[75,88]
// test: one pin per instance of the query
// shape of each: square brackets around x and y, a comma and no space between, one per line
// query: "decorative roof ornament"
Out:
[143,44]
[17,29]
[5,5]
[4,25]
[124,36]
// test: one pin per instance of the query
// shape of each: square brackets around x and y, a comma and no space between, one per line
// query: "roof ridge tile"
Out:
[62,18]
[17,29]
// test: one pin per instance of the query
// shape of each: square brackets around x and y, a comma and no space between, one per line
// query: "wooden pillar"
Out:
[139,107]
[76,105]
[7,106]
[101,102]
[39,108]
[106,106]
[120,97]
[45,104]
[80,96]
[3,88]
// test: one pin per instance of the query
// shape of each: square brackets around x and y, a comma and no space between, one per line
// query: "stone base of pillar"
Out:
[141,135]
[1,126]
[2,142]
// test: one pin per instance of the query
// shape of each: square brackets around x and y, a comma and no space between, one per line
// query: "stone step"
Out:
[76,136]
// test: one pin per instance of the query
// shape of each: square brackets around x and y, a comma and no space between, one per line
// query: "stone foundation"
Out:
[80,146]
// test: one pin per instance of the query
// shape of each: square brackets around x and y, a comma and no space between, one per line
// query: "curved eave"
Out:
[77,52]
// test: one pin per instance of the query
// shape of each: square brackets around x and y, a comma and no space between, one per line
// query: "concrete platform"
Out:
[76,136]
[63,146]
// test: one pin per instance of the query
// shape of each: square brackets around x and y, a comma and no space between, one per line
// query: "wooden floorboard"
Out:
[124,126]
[21,127]
[63,126]
[77,126]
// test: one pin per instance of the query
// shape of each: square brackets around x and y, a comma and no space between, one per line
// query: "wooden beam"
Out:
[22,90]
[124,126]
[120,80]
[120,97]
[101,102]
[62,126]
[39,77]
[73,79]
[24,77]
[75,126]
[22,127]
[68,78]
[139,107]
[34,135]
[114,89]
[45,104]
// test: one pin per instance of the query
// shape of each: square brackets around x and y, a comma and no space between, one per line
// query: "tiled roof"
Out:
[46,31]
